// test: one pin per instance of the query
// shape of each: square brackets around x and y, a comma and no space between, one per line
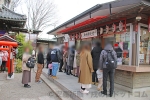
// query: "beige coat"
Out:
[86,67]
[25,58]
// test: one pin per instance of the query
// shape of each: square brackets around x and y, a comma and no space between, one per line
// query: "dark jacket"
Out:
[103,56]
[70,57]
[40,58]
[48,56]
[95,56]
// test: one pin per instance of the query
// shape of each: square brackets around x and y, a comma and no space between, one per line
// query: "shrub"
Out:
[18,66]
[21,38]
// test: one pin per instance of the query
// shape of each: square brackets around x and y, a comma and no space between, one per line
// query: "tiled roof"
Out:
[8,38]
[7,14]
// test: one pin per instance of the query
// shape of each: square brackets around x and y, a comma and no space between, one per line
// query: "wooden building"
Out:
[124,24]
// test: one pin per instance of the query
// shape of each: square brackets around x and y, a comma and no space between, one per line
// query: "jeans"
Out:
[55,67]
[110,73]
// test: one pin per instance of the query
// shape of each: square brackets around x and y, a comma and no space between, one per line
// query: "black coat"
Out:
[48,56]
[40,58]
[96,56]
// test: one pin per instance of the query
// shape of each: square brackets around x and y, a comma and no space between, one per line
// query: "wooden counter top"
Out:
[133,68]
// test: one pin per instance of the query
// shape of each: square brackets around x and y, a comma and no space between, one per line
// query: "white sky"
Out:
[67,9]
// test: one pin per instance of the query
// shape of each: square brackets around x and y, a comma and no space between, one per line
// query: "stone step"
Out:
[58,91]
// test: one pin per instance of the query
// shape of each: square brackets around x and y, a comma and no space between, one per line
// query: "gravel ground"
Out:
[14,90]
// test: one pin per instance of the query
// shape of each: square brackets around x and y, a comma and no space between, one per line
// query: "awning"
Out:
[86,22]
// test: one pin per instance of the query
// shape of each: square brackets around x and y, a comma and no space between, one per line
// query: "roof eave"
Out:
[77,17]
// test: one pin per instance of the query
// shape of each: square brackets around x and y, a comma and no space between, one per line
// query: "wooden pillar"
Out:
[102,42]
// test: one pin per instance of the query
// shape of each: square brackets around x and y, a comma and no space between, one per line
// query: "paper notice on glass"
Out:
[123,37]
[141,56]
[118,38]
[127,36]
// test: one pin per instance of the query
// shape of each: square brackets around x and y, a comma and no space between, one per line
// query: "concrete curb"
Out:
[42,77]
[52,86]
[70,93]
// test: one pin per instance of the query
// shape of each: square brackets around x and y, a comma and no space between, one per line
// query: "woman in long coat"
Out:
[86,69]
[26,77]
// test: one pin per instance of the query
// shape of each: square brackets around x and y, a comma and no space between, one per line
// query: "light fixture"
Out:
[138,18]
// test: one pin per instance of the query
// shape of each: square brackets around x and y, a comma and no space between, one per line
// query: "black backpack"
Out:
[54,55]
[111,63]
[31,62]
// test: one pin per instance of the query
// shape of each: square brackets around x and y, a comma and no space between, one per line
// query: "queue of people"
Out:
[90,66]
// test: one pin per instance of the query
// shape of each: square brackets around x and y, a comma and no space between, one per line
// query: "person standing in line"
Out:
[78,61]
[100,79]
[48,56]
[108,63]
[96,51]
[55,59]
[86,69]
[75,64]
[26,77]
[65,56]
[4,60]
[70,60]
[61,58]
[40,64]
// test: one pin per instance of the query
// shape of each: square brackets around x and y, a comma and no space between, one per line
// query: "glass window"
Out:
[121,46]
[144,55]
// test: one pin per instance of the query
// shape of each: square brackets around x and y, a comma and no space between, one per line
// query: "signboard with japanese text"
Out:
[89,34]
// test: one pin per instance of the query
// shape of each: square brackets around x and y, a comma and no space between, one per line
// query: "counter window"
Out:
[122,48]
[144,55]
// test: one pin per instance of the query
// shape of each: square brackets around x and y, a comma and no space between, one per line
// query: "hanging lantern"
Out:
[120,26]
[101,31]
[113,28]
[107,29]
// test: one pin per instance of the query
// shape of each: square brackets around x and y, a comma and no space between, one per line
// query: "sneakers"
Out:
[105,93]
[27,86]
[54,77]
[40,81]
[60,71]
[84,91]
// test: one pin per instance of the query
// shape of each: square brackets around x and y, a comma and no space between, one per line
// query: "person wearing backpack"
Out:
[108,63]
[55,59]
[26,76]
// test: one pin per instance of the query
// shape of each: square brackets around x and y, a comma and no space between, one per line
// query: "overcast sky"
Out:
[70,8]
[67,9]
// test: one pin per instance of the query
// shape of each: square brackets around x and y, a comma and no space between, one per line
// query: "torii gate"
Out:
[10,61]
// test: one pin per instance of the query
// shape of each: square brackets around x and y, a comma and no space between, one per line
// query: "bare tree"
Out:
[41,14]
[14,4]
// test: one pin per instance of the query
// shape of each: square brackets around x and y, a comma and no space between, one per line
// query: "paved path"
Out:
[14,90]
[71,84]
